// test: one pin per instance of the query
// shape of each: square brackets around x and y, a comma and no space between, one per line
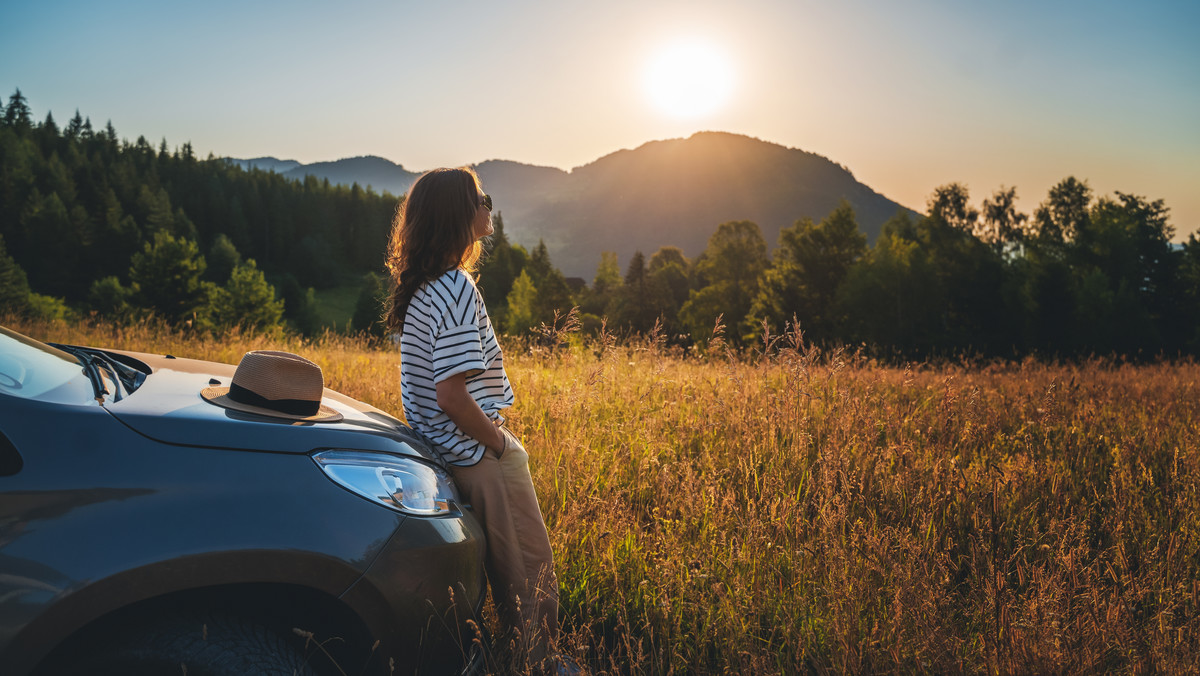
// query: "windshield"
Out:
[33,370]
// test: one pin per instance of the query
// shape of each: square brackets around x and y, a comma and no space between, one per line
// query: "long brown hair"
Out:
[431,233]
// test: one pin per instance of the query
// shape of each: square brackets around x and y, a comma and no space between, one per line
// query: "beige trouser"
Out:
[519,561]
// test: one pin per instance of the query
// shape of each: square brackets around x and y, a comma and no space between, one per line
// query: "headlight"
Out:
[403,484]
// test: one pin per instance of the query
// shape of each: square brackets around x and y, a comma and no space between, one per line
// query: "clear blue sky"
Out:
[908,95]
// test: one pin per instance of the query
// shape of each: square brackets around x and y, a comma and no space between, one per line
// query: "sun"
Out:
[689,79]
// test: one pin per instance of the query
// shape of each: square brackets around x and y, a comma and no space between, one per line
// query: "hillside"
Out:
[676,192]
[663,193]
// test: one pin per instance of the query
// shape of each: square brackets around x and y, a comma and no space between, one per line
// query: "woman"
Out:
[453,385]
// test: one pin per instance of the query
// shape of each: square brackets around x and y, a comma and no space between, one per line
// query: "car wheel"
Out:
[209,645]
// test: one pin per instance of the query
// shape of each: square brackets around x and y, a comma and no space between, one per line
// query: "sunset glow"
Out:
[1018,94]
[689,79]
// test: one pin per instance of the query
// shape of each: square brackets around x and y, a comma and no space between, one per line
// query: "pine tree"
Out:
[110,298]
[634,305]
[166,276]
[553,294]
[17,113]
[223,258]
[75,126]
[246,301]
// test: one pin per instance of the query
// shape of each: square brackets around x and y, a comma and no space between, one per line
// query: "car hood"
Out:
[168,408]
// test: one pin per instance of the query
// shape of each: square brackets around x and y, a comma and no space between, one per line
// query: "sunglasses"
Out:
[486,202]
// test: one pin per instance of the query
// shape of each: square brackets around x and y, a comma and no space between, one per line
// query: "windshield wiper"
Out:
[125,377]
[90,368]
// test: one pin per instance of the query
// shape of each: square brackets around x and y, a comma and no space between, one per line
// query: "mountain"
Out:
[376,172]
[663,193]
[673,192]
[267,164]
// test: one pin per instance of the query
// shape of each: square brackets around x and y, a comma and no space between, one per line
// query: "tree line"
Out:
[91,223]
[1082,275]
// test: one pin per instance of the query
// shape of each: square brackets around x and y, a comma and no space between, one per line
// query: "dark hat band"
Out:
[303,407]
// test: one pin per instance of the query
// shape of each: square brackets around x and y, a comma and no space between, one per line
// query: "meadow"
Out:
[786,509]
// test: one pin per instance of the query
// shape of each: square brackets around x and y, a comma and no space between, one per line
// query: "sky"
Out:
[907,95]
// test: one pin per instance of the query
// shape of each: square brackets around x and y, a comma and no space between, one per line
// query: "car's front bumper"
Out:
[422,596]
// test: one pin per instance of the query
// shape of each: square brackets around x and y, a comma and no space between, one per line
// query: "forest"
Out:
[95,225]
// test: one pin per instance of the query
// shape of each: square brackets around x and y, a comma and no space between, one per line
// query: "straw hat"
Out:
[275,384]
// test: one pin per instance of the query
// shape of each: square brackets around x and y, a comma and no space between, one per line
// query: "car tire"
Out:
[209,645]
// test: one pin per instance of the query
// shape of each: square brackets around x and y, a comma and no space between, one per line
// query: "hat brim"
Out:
[220,397]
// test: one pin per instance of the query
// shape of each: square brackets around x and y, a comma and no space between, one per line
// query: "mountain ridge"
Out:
[671,192]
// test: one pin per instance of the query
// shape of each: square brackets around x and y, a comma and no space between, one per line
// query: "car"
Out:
[149,522]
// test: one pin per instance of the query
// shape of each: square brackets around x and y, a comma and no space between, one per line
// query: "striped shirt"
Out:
[446,332]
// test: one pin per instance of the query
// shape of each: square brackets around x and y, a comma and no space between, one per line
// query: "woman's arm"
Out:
[453,398]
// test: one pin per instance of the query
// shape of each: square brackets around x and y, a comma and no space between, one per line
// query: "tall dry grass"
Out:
[800,511]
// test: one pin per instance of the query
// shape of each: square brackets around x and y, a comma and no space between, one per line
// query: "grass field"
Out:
[817,512]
